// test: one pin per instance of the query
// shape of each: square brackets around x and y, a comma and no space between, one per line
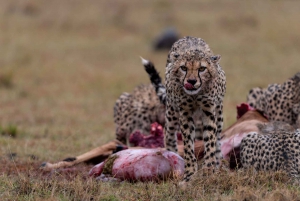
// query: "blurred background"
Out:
[63,64]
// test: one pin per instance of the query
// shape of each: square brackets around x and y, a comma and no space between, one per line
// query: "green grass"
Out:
[10,130]
[64,64]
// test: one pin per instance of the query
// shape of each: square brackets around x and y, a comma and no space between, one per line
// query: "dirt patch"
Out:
[31,169]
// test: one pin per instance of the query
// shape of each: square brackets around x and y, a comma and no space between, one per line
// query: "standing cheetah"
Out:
[194,81]
[161,93]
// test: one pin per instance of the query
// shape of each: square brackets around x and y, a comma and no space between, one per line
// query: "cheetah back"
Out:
[272,151]
[280,102]
[137,111]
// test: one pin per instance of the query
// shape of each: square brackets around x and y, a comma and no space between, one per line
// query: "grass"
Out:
[10,130]
[64,64]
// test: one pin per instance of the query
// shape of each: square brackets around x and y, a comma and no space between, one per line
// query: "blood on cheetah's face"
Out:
[194,74]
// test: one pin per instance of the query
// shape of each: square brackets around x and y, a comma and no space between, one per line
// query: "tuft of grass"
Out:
[10,130]
[6,80]
[109,198]
[23,186]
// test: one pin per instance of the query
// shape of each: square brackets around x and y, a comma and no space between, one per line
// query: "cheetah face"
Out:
[194,74]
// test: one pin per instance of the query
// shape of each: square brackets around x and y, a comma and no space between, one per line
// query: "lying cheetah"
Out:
[194,82]
[279,102]
[137,111]
[274,147]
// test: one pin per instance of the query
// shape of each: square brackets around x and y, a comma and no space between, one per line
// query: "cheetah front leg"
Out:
[219,124]
[171,128]
[188,134]
[210,137]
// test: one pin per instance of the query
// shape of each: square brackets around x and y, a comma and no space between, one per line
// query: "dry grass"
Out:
[74,184]
[64,64]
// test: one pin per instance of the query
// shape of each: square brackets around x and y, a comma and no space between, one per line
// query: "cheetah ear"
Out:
[173,56]
[215,58]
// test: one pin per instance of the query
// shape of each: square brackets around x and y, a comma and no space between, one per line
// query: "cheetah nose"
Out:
[192,81]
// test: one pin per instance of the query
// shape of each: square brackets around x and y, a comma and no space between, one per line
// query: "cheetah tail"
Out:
[155,80]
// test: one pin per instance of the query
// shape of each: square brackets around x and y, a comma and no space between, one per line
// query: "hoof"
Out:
[44,164]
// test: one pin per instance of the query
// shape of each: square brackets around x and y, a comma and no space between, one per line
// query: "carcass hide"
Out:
[140,165]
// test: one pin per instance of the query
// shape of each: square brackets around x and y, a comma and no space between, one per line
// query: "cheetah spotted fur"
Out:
[279,102]
[275,147]
[137,111]
[194,82]
[161,93]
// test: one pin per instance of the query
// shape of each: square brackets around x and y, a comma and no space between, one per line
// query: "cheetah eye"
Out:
[183,68]
[202,68]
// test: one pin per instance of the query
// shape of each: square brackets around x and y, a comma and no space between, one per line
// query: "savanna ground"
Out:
[64,63]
